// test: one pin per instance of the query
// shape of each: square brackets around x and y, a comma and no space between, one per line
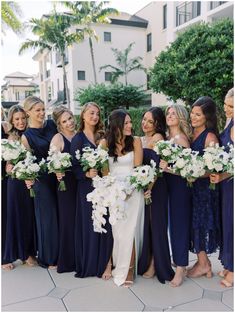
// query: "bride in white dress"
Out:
[125,153]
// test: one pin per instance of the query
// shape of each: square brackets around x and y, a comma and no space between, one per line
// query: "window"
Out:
[165,16]
[148,81]
[17,94]
[149,42]
[107,36]
[81,75]
[28,93]
[108,76]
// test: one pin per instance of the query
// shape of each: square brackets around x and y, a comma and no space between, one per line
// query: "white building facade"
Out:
[152,29]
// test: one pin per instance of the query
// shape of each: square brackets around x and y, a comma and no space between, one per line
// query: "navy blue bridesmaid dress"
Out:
[180,213]
[67,209]
[20,231]
[205,229]
[92,249]
[45,201]
[227,204]
[3,202]
[155,241]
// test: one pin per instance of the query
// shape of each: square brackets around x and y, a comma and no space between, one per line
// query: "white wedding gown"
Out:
[130,230]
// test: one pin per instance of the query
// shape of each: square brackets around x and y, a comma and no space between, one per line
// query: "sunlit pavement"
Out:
[37,289]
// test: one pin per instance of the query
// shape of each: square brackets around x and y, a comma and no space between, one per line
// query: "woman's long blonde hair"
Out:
[183,116]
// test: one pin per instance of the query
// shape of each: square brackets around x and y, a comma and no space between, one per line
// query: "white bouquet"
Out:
[12,151]
[168,150]
[189,165]
[142,177]
[28,169]
[216,160]
[58,162]
[92,158]
[109,195]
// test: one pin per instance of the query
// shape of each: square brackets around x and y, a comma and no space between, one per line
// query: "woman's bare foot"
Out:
[199,270]
[151,270]
[228,280]
[8,266]
[222,273]
[52,267]
[108,272]
[31,261]
[179,277]
[130,277]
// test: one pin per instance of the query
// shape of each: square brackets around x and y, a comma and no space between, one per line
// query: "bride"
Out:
[125,153]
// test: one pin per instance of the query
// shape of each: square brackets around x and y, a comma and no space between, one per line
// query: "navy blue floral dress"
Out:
[205,230]
[227,202]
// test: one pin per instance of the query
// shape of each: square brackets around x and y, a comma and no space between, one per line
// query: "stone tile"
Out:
[150,309]
[202,305]
[68,281]
[104,297]
[227,297]
[44,304]
[58,293]
[24,283]
[154,294]
[213,295]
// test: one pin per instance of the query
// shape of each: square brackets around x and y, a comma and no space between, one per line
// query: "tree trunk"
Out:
[65,80]
[93,59]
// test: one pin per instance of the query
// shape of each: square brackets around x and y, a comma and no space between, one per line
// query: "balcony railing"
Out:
[187,11]
[215,4]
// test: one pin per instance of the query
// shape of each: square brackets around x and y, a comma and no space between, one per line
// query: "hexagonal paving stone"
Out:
[44,304]
[68,281]
[227,297]
[202,305]
[105,297]
[154,294]
[24,283]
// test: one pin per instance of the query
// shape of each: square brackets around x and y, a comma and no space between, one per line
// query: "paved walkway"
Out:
[37,289]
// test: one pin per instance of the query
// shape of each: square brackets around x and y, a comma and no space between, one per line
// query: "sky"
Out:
[12,62]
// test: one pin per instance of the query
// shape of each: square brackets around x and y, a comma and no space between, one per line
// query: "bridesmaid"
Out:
[179,195]
[155,258]
[65,122]
[125,152]
[20,230]
[205,229]
[37,138]
[227,189]
[92,250]
[6,264]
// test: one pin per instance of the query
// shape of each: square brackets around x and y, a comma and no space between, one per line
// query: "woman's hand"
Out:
[9,168]
[29,183]
[163,165]
[60,176]
[147,194]
[215,178]
[91,173]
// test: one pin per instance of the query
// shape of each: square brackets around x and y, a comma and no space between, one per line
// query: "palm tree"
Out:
[86,13]
[10,14]
[125,65]
[53,32]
